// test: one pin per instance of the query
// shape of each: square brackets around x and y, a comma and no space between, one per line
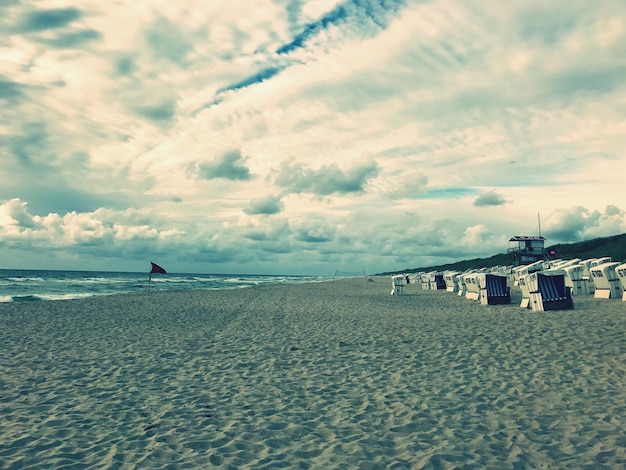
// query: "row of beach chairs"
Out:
[600,277]
[545,285]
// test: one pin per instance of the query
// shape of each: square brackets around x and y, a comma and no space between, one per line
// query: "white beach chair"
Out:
[575,280]
[471,285]
[460,282]
[450,279]
[397,284]
[523,285]
[524,270]
[606,281]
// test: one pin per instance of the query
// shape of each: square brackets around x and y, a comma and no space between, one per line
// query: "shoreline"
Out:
[321,375]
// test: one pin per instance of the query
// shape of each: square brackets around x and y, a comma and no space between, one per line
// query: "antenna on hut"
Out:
[539,222]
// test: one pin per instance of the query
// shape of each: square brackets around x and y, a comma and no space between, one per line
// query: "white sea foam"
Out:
[25,279]
[70,296]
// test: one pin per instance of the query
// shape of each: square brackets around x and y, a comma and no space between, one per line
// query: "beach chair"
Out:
[450,279]
[440,282]
[460,283]
[607,282]
[494,289]
[520,271]
[436,281]
[591,263]
[598,261]
[548,291]
[523,285]
[621,274]
[471,285]
[397,284]
[575,280]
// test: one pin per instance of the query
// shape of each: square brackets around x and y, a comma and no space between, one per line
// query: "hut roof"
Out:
[523,238]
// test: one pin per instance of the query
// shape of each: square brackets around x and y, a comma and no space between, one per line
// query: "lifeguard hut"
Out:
[526,249]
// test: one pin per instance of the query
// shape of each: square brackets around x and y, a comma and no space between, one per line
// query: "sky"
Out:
[304,137]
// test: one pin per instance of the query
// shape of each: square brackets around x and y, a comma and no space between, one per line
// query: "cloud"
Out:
[124,65]
[162,110]
[354,17]
[27,146]
[579,223]
[104,228]
[41,20]
[476,235]
[14,213]
[409,186]
[168,40]
[259,77]
[275,231]
[366,16]
[264,205]
[314,231]
[55,28]
[72,39]
[490,198]
[298,178]
[9,90]
[230,165]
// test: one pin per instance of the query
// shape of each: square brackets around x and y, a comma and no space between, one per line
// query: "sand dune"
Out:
[324,375]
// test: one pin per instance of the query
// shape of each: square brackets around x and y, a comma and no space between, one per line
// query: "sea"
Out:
[45,285]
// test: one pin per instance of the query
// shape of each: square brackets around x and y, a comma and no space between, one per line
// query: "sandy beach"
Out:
[321,375]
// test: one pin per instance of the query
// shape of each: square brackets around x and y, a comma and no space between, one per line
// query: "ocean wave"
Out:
[69,296]
[24,279]
[42,297]
[24,298]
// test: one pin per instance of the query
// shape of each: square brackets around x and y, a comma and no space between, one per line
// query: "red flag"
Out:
[155,268]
